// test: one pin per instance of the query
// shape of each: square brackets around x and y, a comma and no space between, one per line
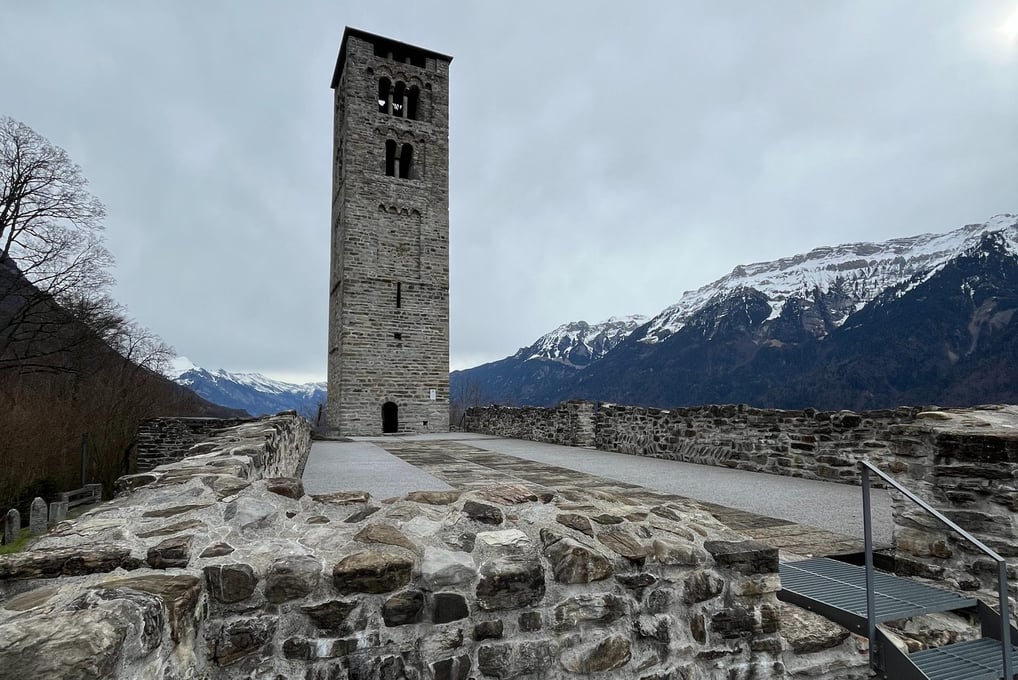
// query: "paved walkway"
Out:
[801,517]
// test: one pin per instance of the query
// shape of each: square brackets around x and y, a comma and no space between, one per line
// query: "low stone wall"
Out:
[964,463]
[204,569]
[812,444]
[571,423]
[167,440]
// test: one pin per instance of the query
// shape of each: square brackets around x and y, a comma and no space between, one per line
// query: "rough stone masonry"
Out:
[207,568]
[389,288]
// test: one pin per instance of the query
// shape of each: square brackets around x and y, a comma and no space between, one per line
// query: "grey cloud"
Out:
[605,156]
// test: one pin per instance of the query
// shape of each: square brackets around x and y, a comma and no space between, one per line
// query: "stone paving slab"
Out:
[826,505]
[334,466]
[467,467]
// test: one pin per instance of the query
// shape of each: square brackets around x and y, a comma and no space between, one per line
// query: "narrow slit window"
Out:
[384,95]
[390,158]
[399,100]
[399,295]
[412,108]
[406,157]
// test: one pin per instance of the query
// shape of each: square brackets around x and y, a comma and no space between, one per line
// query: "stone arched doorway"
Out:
[390,417]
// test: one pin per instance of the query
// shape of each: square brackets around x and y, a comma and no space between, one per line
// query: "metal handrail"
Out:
[871,614]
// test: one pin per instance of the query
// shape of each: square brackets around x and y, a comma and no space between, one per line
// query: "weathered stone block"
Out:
[625,544]
[37,517]
[179,594]
[291,487]
[85,645]
[289,578]
[598,657]
[343,497]
[362,514]
[484,513]
[578,522]
[217,550]
[298,649]
[573,562]
[513,660]
[747,557]
[446,567]
[434,497]
[807,632]
[454,668]
[488,630]
[12,526]
[385,534]
[510,583]
[657,627]
[733,622]
[230,642]
[371,572]
[170,553]
[700,586]
[331,615]
[230,583]
[57,513]
[676,553]
[449,607]
[349,645]
[598,609]
[403,608]
[69,561]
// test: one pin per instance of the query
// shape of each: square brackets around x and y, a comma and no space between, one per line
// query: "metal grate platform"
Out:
[976,660]
[837,590]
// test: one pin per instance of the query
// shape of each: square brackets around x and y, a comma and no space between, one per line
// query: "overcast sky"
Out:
[605,157]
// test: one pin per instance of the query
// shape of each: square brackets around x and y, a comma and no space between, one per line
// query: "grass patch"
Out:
[18,545]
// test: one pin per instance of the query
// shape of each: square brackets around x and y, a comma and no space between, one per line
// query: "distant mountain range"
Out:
[927,319]
[251,392]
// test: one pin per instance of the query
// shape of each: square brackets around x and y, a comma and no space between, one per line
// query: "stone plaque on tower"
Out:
[389,284]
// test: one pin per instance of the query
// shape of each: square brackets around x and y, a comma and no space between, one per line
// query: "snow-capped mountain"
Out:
[253,392]
[549,361]
[854,273]
[925,319]
[579,343]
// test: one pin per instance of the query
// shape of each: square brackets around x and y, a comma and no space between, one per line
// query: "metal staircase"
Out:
[860,597]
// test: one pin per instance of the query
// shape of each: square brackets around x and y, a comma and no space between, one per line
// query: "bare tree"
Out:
[51,247]
[467,393]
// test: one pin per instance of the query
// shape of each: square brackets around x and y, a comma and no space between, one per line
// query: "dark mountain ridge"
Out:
[933,322]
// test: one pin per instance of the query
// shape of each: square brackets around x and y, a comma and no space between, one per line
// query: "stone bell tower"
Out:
[389,287]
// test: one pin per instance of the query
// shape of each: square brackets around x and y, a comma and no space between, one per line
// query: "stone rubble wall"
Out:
[272,446]
[209,568]
[167,440]
[812,444]
[962,461]
[571,423]
[965,464]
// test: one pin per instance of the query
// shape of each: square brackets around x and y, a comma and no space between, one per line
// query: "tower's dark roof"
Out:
[376,40]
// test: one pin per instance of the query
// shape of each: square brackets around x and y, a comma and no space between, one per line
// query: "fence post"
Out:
[871,606]
[84,458]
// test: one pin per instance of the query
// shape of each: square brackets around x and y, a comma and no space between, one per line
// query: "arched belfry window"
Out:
[398,100]
[399,160]
[384,95]
[406,158]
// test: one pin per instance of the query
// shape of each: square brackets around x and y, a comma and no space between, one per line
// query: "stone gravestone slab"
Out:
[12,526]
[57,512]
[38,516]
